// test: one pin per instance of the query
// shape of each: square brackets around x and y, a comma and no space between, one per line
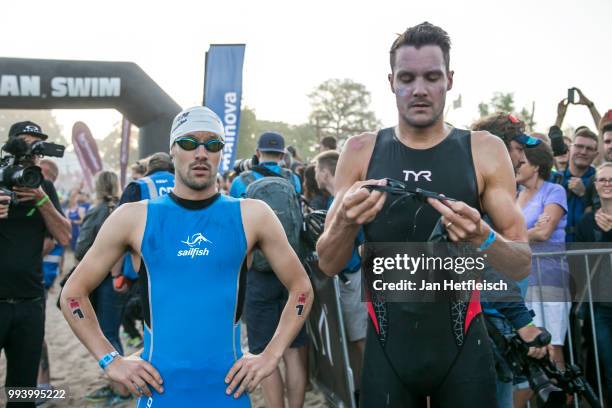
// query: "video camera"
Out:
[17,168]
[549,383]
[556,141]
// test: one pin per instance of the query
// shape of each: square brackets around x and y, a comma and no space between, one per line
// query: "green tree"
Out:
[504,102]
[340,108]
[247,139]
[302,137]
[44,118]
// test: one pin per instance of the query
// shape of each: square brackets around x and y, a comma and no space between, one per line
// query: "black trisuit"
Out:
[438,349]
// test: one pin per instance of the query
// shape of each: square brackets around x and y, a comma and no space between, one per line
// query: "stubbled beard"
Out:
[198,186]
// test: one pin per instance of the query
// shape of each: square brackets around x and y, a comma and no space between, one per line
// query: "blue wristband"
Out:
[107,359]
[487,242]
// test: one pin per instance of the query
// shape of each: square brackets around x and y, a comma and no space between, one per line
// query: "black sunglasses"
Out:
[400,189]
[397,187]
[190,143]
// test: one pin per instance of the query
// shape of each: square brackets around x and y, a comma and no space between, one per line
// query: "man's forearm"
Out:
[292,319]
[335,247]
[56,223]
[513,259]
[81,317]
[560,117]
[594,114]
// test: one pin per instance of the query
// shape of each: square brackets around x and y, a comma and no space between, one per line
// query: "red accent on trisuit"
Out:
[473,310]
[373,316]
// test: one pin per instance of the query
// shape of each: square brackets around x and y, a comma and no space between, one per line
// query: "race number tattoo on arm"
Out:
[75,307]
[301,302]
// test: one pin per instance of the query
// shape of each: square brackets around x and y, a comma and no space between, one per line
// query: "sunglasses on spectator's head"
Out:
[190,143]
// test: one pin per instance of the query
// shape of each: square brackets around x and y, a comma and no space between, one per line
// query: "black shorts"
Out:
[265,299]
[421,358]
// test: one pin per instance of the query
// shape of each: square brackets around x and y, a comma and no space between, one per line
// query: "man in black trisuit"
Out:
[438,349]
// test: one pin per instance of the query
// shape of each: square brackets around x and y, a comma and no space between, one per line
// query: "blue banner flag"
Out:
[223,92]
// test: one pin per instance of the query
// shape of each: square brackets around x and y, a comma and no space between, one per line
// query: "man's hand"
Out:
[359,205]
[603,220]
[249,371]
[576,185]
[29,194]
[5,200]
[583,100]
[562,106]
[529,334]
[463,223]
[135,373]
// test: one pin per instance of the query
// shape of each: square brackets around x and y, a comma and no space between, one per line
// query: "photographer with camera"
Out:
[29,212]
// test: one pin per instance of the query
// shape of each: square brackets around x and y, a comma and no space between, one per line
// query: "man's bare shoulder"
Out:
[253,210]
[129,214]
[490,153]
[485,141]
[354,158]
[363,142]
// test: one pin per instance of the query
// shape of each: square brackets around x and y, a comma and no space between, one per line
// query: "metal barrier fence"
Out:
[592,261]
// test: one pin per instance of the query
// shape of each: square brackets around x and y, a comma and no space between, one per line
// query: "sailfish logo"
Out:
[196,239]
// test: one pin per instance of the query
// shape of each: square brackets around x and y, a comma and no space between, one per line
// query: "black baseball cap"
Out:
[271,142]
[27,128]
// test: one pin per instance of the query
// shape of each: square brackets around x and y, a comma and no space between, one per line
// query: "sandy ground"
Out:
[74,369]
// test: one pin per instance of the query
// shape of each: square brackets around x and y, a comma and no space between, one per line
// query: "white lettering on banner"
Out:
[29,85]
[9,85]
[85,87]
[24,85]
[229,119]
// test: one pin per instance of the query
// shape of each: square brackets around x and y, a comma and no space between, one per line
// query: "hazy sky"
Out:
[536,49]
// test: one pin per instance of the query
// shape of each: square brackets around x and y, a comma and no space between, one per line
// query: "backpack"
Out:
[279,193]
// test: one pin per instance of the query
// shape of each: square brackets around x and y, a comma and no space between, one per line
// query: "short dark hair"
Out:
[502,125]
[584,131]
[328,160]
[541,156]
[139,167]
[160,161]
[329,142]
[420,35]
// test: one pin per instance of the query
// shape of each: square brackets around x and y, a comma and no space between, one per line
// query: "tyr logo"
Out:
[417,175]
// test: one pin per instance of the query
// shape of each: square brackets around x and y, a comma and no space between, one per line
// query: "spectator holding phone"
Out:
[576,97]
